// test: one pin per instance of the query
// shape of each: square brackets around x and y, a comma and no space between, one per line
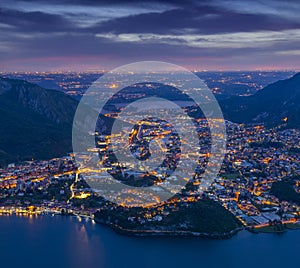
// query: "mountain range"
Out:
[37,122]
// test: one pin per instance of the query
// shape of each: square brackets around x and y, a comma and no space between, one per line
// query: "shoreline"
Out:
[144,233]
[123,231]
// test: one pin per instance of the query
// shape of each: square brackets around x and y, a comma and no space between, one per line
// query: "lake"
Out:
[58,241]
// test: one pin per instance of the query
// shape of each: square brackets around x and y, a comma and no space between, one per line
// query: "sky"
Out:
[86,35]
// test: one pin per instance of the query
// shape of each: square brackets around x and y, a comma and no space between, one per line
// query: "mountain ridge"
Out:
[272,105]
[39,99]
[36,122]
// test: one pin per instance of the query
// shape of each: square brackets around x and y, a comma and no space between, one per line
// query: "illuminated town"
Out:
[256,158]
[221,83]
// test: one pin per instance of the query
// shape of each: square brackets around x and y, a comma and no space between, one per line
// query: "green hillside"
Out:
[35,122]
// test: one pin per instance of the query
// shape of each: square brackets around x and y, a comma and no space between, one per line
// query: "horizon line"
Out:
[105,71]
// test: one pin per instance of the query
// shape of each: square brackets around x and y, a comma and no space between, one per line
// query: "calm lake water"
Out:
[45,241]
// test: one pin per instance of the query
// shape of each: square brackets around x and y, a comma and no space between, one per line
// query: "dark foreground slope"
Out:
[204,217]
[35,122]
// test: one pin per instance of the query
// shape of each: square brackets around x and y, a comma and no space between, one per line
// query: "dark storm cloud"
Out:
[200,20]
[34,21]
[196,16]
[115,2]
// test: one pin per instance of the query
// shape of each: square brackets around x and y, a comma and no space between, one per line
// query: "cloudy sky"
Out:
[41,35]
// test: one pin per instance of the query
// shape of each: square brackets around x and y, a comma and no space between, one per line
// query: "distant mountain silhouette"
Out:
[35,122]
[270,105]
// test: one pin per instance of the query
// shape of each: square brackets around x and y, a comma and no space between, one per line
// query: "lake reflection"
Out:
[45,241]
